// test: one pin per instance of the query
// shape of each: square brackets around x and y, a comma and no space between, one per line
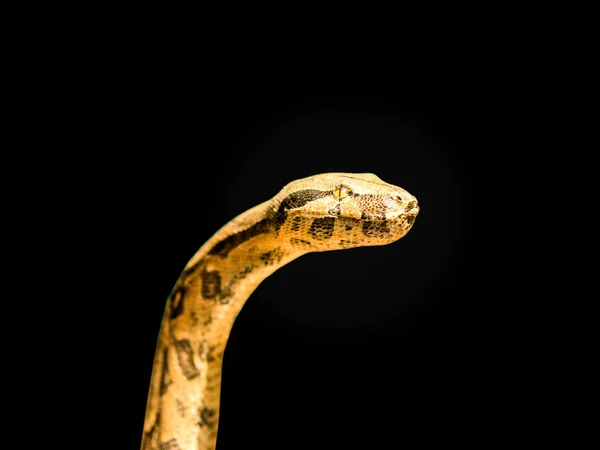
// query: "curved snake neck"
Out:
[324,212]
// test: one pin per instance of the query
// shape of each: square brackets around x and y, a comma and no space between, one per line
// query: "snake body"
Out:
[319,213]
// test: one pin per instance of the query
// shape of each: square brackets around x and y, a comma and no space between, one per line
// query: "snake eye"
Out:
[342,192]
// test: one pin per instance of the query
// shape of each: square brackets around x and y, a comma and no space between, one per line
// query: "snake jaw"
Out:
[409,219]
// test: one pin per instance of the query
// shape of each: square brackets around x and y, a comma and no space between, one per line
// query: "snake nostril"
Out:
[410,206]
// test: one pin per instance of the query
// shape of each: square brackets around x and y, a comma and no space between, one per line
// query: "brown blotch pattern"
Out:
[241,274]
[225,246]
[296,223]
[206,352]
[165,379]
[207,417]
[150,440]
[185,356]
[296,200]
[375,229]
[171,444]
[271,257]
[180,407]
[211,284]
[300,242]
[177,302]
[322,228]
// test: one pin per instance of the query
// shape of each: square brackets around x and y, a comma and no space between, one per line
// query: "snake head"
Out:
[343,210]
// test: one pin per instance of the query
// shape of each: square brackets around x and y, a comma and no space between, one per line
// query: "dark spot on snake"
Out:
[177,301]
[410,206]
[348,227]
[237,277]
[271,257]
[322,228]
[212,288]
[372,216]
[207,417]
[210,357]
[410,219]
[245,271]
[296,200]
[296,223]
[301,242]
[185,356]
[151,438]
[171,444]
[180,407]
[192,269]
[222,248]
[206,352]
[165,379]
[211,284]
[336,210]
[375,229]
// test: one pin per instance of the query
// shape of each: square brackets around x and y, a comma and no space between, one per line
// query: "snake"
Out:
[330,211]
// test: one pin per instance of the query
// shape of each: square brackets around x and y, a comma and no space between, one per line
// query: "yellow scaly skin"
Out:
[324,212]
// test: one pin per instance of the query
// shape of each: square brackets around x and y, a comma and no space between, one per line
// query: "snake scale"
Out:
[323,212]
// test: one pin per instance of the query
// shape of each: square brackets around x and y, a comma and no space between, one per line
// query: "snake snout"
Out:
[407,206]
[411,205]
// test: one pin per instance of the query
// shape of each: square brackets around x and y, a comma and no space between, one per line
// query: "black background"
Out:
[366,348]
